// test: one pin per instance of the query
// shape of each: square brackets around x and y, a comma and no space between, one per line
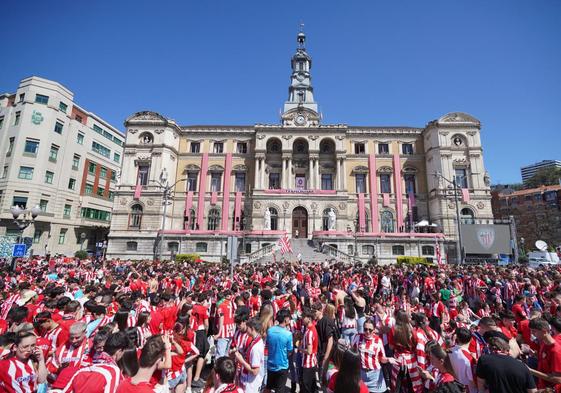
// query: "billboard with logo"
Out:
[486,239]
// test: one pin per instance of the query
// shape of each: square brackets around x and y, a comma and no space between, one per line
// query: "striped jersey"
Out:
[371,351]
[17,376]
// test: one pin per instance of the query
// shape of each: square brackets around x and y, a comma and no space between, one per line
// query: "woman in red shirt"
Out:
[347,379]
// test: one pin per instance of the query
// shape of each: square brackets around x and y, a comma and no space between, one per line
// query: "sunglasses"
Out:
[368,330]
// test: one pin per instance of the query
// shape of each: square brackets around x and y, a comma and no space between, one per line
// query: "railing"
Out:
[262,252]
[338,254]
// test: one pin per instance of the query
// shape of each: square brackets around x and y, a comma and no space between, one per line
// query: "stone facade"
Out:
[379,182]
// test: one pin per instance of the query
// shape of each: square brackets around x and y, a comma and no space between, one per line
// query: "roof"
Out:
[530,191]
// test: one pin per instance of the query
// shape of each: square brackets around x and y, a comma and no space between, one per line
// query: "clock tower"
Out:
[300,110]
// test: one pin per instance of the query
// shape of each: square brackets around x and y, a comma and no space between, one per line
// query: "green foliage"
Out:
[544,177]
[186,257]
[81,254]
[413,261]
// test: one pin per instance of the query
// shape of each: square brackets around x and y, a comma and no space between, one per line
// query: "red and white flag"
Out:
[438,254]
[284,244]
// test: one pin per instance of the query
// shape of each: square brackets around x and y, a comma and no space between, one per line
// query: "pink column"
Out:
[361,213]
[398,191]
[238,209]
[373,192]
[226,191]
[188,203]
[202,191]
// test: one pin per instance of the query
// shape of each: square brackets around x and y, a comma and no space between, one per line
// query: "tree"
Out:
[544,177]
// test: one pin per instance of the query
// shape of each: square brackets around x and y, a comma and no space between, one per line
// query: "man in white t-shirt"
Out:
[463,361]
[253,362]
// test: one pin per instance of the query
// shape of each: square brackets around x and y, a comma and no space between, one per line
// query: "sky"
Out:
[375,63]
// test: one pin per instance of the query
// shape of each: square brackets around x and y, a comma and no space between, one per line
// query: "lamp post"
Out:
[167,191]
[28,216]
[459,244]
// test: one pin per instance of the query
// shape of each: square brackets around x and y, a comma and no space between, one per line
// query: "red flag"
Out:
[465,195]
[284,244]
[138,191]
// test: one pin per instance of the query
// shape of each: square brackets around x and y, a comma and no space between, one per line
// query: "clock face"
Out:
[300,119]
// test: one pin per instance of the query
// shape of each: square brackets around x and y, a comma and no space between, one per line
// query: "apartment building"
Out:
[59,156]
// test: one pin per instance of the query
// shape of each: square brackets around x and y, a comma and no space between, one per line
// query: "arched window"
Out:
[427,250]
[398,250]
[146,138]
[467,216]
[135,217]
[189,221]
[387,221]
[274,219]
[213,219]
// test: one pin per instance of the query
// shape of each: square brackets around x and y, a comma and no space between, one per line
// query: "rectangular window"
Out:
[21,97]
[100,191]
[132,246]
[398,250]
[103,173]
[113,176]
[200,247]
[62,107]
[274,181]
[195,147]
[41,99]
[360,148]
[116,157]
[91,168]
[407,148]
[461,177]
[240,182]
[76,162]
[98,129]
[95,214]
[409,184]
[5,172]
[218,147]
[25,172]
[385,184]
[17,118]
[89,188]
[383,148]
[360,183]
[43,205]
[58,127]
[53,154]
[100,149]
[37,236]
[327,181]
[80,138]
[67,211]
[10,146]
[71,184]
[1,121]
[242,148]
[20,201]
[111,195]
[49,177]
[118,141]
[62,236]
[31,146]
[215,180]
[143,172]
[192,181]
[78,118]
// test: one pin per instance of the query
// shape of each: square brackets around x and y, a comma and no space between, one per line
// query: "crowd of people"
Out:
[120,326]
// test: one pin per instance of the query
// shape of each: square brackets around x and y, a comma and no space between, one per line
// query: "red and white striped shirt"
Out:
[241,341]
[310,338]
[57,337]
[422,339]
[371,351]
[7,305]
[143,333]
[74,356]
[17,377]
[344,321]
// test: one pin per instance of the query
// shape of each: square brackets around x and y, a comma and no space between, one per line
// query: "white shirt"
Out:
[462,368]
[252,383]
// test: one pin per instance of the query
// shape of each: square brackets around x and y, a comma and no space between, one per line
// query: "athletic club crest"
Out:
[486,237]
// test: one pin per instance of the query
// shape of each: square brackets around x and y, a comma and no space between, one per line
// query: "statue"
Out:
[267,219]
[331,217]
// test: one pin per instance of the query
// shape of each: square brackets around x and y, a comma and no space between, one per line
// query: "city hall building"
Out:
[351,191]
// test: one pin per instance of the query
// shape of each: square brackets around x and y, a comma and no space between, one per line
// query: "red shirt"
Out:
[128,387]
[519,313]
[549,361]
[199,314]
[524,329]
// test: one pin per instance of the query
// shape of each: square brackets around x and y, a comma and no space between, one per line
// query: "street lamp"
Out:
[167,191]
[459,243]
[27,217]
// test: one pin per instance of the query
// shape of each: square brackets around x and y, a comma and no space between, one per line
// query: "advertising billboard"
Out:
[486,239]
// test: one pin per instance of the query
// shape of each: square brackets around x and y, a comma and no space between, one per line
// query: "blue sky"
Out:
[374,62]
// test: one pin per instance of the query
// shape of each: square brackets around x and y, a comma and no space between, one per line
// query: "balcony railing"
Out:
[338,254]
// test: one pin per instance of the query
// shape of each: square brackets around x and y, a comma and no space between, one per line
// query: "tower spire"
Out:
[300,91]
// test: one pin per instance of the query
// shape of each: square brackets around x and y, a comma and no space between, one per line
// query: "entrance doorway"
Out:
[299,223]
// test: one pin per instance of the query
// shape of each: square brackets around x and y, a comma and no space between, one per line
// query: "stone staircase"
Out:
[310,253]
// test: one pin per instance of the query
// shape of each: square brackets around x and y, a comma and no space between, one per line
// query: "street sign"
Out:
[19,250]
